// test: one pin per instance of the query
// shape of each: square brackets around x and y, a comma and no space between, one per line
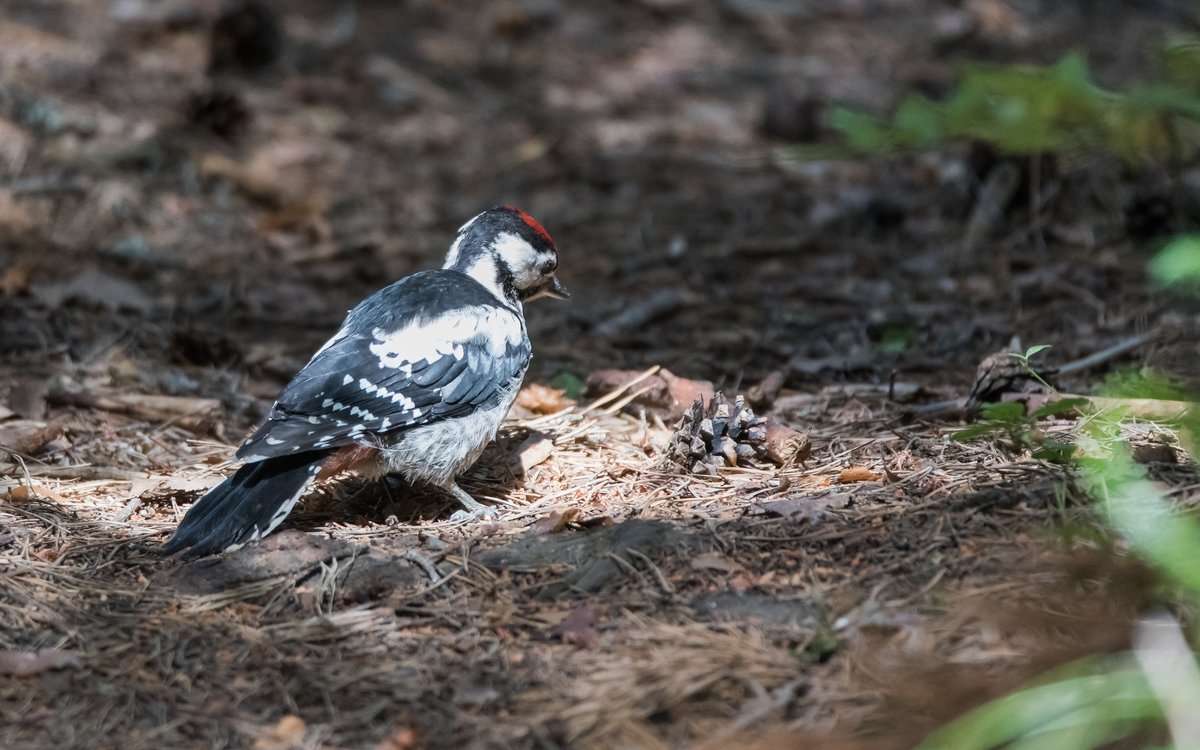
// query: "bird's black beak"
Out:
[554,288]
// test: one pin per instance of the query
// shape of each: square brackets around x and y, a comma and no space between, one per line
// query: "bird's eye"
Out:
[548,267]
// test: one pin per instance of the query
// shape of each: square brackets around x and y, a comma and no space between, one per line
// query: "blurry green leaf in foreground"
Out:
[1138,511]
[1075,710]
[1179,262]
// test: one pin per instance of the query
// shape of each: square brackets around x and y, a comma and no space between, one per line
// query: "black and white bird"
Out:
[415,382]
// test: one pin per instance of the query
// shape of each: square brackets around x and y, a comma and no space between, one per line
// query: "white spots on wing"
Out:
[314,419]
[274,441]
[348,379]
[378,391]
[386,423]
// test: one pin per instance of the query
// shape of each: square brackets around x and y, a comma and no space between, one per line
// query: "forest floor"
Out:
[175,242]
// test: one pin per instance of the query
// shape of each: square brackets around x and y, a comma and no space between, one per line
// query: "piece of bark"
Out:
[195,414]
[535,449]
[764,393]
[27,437]
[785,446]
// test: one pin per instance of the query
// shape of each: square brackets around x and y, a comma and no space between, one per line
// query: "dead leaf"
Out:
[857,474]
[810,509]
[258,177]
[663,393]
[786,446]
[26,663]
[716,561]
[1155,453]
[286,735]
[27,437]
[553,523]
[14,279]
[170,485]
[403,738]
[532,451]
[578,628]
[21,493]
[542,399]
[95,287]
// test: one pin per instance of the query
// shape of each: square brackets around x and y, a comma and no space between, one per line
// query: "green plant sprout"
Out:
[1028,110]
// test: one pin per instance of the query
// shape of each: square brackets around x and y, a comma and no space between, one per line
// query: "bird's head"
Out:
[508,252]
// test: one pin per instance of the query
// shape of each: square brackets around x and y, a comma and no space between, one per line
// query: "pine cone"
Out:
[721,435]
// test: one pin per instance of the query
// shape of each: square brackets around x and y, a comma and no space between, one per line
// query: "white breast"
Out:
[436,453]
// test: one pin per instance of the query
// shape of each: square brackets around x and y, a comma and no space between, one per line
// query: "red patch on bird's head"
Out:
[533,223]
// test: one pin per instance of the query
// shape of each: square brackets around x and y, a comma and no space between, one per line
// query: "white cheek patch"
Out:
[519,256]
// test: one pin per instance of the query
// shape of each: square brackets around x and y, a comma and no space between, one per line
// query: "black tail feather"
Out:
[247,505]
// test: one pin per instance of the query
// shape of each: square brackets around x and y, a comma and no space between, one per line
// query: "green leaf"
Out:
[862,131]
[1055,451]
[1009,413]
[1110,702]
[1179,262]
[917,123]
[1060,406]
[976,431]
[570,384]
[1036,348]
[1138,510]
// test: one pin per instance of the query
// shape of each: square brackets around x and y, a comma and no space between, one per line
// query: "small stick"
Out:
[1112,352]
[129,509]
[424,563]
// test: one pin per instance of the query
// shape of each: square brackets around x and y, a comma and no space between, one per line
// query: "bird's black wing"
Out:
[432,346]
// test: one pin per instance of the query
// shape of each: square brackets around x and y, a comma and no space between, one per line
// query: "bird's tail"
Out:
[248,505]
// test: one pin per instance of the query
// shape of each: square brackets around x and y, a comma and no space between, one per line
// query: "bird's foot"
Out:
[483,513]
[471,508]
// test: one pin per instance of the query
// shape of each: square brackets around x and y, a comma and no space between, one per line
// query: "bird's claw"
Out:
[480,513]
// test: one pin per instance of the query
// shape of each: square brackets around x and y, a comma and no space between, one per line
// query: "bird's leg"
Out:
[471,508]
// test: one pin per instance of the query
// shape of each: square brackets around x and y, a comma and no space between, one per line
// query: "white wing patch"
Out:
[445,336]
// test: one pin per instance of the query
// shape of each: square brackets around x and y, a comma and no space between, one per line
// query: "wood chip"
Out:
[857,474]
[535,449]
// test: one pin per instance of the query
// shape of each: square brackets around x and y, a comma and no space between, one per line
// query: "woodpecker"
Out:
[415,382]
